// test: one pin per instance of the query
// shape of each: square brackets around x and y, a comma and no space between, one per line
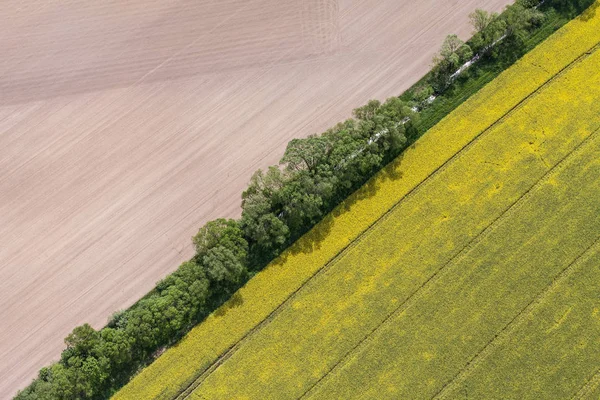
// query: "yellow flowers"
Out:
[484,313]
[559,330]
[462,263]
[307,311]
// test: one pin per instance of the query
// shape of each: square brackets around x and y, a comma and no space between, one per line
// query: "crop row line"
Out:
[501,336]
[457,156]
[589,386]
[460,255]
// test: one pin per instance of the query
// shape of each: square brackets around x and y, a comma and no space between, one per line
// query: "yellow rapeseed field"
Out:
[462,145]
[479,300]
[419,239]
[561,327]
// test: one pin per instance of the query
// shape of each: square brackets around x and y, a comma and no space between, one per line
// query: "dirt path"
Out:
[124,127]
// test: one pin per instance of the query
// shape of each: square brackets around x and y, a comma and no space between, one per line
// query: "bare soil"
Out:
[124,126]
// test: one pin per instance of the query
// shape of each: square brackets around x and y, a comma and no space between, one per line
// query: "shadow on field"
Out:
[590,12]
[313,239]
[236,300]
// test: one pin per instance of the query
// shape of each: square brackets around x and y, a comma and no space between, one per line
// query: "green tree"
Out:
[531,3]
[367,111]
[494,31]
[265,232]
[302,201]
[221,232]
[223,266]
[488,29]
[62,385]
[569,7]
[81,342]
[455,51]
[519,20]
[453,54]
[421,94]
[191,281]
[305,153]
[86,376]
[481,19]
[116,346]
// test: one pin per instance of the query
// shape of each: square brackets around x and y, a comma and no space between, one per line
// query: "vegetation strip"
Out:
[514,207]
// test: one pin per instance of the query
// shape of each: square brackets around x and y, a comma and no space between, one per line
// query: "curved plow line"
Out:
[462,253]
[184,393]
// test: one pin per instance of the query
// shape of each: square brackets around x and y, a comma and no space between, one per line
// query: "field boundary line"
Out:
[588,387]
[185,392]
[459,256]
[501,336]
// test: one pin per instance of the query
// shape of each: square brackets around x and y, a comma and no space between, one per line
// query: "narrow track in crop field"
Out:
[185,393]
[501,336]
[460,255]
[589,387]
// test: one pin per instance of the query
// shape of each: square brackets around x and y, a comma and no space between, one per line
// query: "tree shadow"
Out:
[313,239]
[590,13]
[236,300]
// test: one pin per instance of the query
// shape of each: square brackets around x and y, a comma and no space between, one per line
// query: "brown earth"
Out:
[124,126]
